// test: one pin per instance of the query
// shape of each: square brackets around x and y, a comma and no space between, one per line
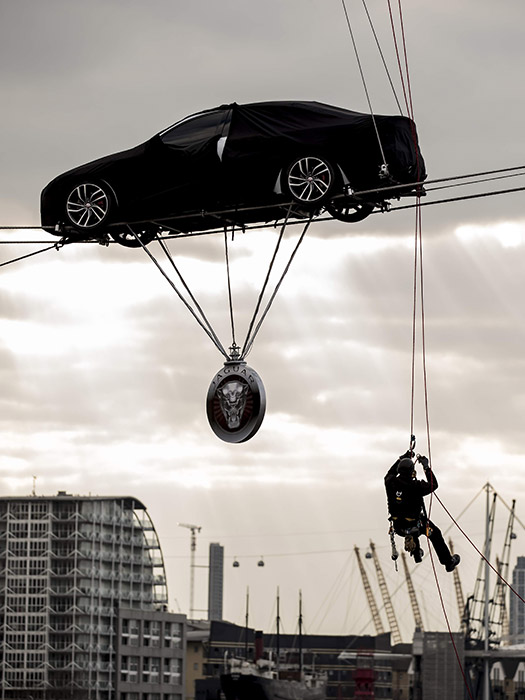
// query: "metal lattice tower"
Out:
[412,594]
[460,598]
[391,616]
[369,595]
[194,529]
[502,565]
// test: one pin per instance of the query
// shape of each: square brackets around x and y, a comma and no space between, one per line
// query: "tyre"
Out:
[349,213]
[133,236]
[88,206]
[309,180]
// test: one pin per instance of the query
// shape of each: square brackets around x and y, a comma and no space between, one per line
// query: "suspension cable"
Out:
[30,255]
[249,343]
[206,326]
[265,283]
[363,80]
[382,56]
[232,323]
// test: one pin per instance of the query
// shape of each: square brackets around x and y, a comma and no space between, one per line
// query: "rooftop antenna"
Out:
[193,546]
[33,492]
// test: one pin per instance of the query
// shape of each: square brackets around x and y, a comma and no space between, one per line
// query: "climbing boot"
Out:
[454,561]
[418,555]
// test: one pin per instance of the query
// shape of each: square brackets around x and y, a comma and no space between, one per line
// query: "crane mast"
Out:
[460,598]
[412,594]
[194,529]
[369,595]
[502,566]
[391,616]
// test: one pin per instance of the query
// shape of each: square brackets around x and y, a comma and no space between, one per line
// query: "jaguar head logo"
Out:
[232,400]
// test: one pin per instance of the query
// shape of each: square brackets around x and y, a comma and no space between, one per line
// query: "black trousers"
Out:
[402,528]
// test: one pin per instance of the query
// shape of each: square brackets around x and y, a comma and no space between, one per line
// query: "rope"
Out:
[249,344]
[234,344]
[190,294]
[418,257]
[382,57]
[206,328]
[363,80]
[265,284]
[396,47]
[29,255]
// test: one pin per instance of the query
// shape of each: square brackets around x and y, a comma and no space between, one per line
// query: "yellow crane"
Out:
[369,595]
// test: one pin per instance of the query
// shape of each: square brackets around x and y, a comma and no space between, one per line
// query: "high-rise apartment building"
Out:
[215,581]
[82,582]
[517,608]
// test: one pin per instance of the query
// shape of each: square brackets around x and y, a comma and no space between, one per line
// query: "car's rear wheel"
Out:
[349,212]
[88,206]
[134,236]
[309,180]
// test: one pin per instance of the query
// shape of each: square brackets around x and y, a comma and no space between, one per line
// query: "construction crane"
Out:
[499,618]
[475,615]
[193,546]
[369,595]
[391,616]
[460,598]
[412,594]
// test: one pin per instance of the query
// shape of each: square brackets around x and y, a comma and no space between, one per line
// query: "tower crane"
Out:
[369,595]
[460,598]
[476,627]
[412,594]
[499,618]
[391,616]
[193,546]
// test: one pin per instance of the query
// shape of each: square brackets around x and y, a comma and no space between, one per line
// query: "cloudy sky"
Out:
[105,373]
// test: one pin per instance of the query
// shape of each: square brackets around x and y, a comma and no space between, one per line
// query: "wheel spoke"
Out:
[87,205]
[309,179]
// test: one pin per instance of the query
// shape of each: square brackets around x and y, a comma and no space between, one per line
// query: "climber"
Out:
[407,509]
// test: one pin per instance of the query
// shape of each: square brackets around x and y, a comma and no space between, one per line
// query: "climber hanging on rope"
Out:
[408,515]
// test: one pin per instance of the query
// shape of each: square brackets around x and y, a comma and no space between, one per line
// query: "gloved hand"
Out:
[424,461]
[408,453]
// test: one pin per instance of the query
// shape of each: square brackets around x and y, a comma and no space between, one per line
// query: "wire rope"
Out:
[249,344]
[205,321]
[382,56]
[208,330]
[265,284]
[363,80]
[232,322]
[29,255]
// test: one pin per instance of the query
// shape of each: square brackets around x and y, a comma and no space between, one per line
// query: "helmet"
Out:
[405,467]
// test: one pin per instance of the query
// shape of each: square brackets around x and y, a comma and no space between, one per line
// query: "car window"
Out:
[195,130]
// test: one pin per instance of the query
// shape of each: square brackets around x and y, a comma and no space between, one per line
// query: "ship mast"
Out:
[300,634]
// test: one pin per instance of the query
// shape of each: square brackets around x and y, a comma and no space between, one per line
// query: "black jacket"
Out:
[405,494]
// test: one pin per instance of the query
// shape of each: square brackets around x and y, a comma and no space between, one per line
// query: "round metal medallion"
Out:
[236,402]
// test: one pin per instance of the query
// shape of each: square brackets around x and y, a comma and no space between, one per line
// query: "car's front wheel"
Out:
[88,207]
[350,213]
[309,180]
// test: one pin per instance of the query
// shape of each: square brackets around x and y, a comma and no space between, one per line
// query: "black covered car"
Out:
[237,165]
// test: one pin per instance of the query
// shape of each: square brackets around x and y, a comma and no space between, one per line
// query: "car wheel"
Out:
[309,180]
[126,236]
[349,213]
[88,206]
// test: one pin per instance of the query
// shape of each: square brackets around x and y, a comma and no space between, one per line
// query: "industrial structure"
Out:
[215,581]
[83,602]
